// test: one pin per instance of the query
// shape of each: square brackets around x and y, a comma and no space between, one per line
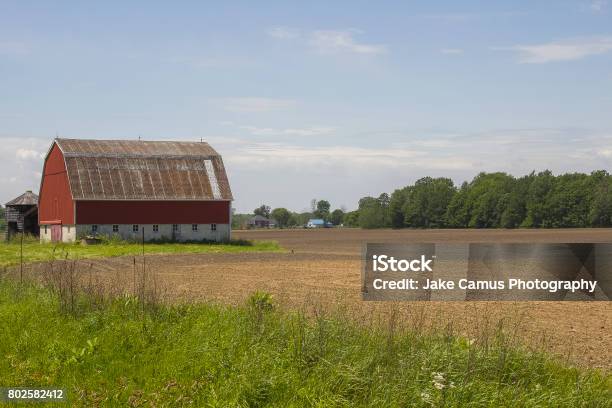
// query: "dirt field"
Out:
[323,267]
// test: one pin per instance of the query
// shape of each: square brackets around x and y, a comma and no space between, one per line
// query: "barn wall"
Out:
[153,212]
[165,232]
[69,233]
[55,202]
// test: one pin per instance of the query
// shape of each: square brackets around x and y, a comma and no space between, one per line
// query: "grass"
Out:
[33,251]
[120,354]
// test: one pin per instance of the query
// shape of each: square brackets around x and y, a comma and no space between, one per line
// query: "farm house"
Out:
[133,189]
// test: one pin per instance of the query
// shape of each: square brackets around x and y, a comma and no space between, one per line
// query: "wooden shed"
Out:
[132,188]
[21,215]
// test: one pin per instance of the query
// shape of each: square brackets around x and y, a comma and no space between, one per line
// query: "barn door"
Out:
[56,233]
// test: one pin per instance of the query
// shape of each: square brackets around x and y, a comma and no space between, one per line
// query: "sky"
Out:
[324,100]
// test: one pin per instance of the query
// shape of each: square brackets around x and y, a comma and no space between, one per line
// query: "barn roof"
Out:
[27,198]
[144,170]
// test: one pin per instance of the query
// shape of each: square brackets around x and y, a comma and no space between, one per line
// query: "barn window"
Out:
[213,227]
[155,228]
[194,227]
[94,228]
[115,228]
[45,229]
[175,228]
[135,228]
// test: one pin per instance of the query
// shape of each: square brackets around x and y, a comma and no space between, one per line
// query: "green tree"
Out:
[282,216]
[337,216]
[322,210]
[427,202]
[374,212]
[600,214]
[568,203]
[351,219]
[457,215]
[537,193]
[396,206]
[263,210]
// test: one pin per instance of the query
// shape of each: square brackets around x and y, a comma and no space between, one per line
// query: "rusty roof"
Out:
[27,198]
[144,170]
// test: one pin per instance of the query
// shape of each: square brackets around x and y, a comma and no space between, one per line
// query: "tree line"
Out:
[285,218]
[493,200]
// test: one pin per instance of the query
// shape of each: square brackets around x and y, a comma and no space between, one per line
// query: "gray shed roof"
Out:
[27,198]
[144,170]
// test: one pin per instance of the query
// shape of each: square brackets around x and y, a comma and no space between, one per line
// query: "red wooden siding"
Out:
[152,212]
[55,204]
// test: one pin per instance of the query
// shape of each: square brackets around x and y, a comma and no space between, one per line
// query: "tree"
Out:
[374,212]
[600,214]
[322,210]
[396,206]
[282,216]
[263,210]
[351,219]
[337,216]
[427,202]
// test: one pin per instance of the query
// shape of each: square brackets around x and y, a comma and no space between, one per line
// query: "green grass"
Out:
[210,355]
[33,251]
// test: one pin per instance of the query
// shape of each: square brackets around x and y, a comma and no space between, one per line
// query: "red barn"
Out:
[169,190]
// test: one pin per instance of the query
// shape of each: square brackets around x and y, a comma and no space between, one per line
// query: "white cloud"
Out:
[569,50]
[597,6]
[254,104]
[28,154]
[307,131]
[338,41]
[21,161]
[451,51]
[283,33]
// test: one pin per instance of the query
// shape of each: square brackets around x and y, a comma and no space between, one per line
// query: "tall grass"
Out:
[113,351]
[34,251]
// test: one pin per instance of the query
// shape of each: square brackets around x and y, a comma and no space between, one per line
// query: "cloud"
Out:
[342,41]
[308,131]
[597,6]
[21,161]
[254,104]
[283,33]
[28,154]
[451,51]
[569,50]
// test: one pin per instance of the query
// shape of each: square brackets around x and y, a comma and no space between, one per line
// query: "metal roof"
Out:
[144,170]
[27,198]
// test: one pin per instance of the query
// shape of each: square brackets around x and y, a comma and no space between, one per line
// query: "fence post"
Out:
[21,261]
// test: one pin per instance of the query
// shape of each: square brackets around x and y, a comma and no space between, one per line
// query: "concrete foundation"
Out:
[134,232]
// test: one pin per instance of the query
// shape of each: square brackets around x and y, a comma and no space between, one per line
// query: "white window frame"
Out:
[155,227]
[135,227]
[213,227]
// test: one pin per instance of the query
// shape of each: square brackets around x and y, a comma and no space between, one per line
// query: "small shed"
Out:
[22,215]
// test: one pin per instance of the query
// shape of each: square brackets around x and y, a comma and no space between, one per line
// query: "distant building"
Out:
[134,189]
[259,221]
[317,223]
[21,215]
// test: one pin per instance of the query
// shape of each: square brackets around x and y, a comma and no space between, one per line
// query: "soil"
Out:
[321,270]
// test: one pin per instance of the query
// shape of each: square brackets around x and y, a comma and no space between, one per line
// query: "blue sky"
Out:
[326,100]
